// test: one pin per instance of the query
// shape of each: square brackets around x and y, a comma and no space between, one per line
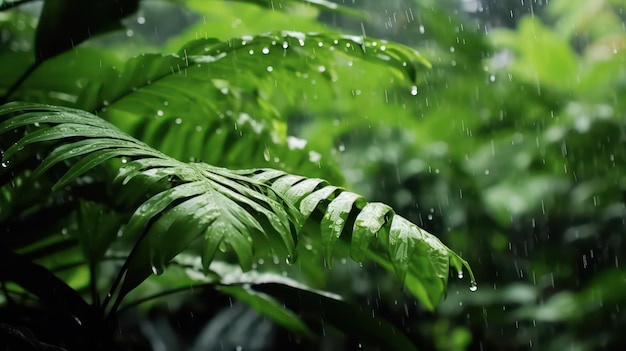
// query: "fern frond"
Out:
[177,204]
[217,93]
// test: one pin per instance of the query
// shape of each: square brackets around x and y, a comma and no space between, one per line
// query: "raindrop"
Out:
[141,20]
[460,274]
[266,154]
[285,45]
[223,247]
[130,33]
[178,121]
[265,51]
[473,287]
[421,29]
[414,90]
[157,270]
[251,52]
[492,78]
[314,156]
[270,68]
[160,113]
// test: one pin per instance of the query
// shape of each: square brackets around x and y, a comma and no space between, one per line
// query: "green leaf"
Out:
[348,318]
[335,219]
[531,42]
[97,229]
[370,221]
[270,307]
[178,204]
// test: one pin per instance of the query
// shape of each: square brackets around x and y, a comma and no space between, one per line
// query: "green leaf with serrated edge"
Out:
[136,167]
[282,184]
[262,195]
[460,264]
[278,218]
[79,148]
[159,202]
[334,221]
[179,226]
[303,188]
[437,253]
[268,174]
[412,283]
[309,203]
[64,131]
[227,206]
[94,159]
[368,223]
[57,117]
[401,245]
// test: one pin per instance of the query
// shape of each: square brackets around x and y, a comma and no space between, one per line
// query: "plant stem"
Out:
[5,98]
[166,293]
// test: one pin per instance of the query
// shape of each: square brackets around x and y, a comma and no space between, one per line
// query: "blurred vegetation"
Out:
[510,149]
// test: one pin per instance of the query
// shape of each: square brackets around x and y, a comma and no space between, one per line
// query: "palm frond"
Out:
[177,204]
[240,89]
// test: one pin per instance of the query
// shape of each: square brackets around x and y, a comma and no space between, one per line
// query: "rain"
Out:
[312,175]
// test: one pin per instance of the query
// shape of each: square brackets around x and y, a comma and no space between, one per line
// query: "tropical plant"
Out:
[517,163]
[94,220]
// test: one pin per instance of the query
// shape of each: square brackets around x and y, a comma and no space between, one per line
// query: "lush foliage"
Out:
[95,219]
[510,149]
[517,158]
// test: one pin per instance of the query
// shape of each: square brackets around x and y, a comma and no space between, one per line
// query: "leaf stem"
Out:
[5,98]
